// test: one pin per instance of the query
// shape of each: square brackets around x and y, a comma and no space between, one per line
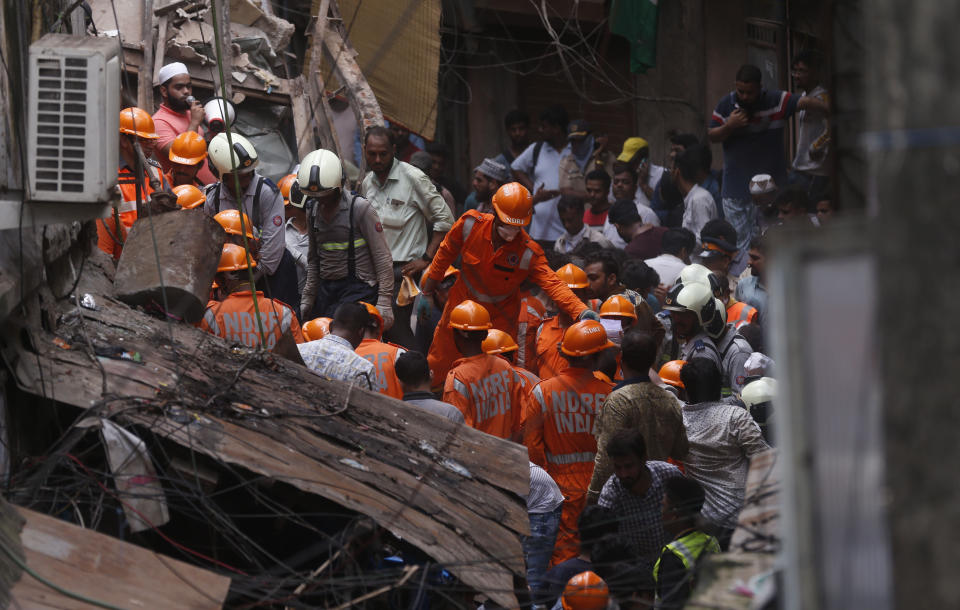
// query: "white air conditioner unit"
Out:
[73,118]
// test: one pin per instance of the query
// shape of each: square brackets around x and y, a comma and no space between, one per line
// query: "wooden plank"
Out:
[449,546]
[108,570]
[161,47]
[342,56]
[145,77]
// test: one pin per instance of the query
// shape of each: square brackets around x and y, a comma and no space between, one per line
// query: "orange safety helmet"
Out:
[585,591]
[317,328]
[188,148]
[670,373]
[234,258]
[284,185]
[513,204]
[372,310]
[584,338]
[230,221]
[470,315]
[137,122]
[189,196]
[499,342]
[574,277]
[618,306]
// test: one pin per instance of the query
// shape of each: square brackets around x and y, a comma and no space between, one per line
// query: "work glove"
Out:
[588,314]
[386,312]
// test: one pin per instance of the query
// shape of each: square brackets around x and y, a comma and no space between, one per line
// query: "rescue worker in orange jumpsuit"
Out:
[381,355]
[549,360]
[485,388]
[498,256]
[136,125]
[622,313]
[187,154]
[189,196]
[561,425]
[499,343]
[235,318]
[532,315]
[316,328]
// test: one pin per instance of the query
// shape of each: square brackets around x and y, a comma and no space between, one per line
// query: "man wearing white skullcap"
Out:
[177,115]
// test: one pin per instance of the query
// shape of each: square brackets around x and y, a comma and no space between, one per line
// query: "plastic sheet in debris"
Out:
[270,130]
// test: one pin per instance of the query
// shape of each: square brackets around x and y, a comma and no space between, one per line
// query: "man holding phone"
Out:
[750,122]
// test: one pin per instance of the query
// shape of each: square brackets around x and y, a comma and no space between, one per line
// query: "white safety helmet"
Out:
[320,173]
[218,114]
[758,395]
[242,159]
[698,274]
[759,391]
[698,298]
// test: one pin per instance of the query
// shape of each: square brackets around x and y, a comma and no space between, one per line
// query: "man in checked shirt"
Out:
[635,494]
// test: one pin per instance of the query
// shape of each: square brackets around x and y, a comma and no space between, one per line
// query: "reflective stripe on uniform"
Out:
[686,556]
[342,245]
[460,388]
[521,343]
[538,394]
[525,259]
[210,317]
[468,223]
[285,318]
[482,296]
[127,206]
[571,458]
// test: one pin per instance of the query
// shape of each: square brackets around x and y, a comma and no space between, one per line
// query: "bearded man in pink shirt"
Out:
[176,115]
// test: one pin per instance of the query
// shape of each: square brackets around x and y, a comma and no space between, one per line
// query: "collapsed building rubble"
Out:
[217,418]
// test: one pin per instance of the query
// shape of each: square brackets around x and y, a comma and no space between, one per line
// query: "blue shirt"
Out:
[757,148]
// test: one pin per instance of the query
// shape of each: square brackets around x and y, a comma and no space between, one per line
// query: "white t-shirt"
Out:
[698,209]
[546,221]
[668,267]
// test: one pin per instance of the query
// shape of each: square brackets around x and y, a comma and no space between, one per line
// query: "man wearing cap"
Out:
[177,115]
[763,192]
[577,160]
[636,154]
[750,122]
[407,202]
[490,175]
[718,250]
[538,169]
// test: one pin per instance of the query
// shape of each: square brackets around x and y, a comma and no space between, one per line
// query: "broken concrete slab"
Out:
[188,245]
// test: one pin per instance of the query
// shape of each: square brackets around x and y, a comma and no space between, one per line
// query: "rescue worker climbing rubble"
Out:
[559,426]
[261,201]
[136,127]
[383,356]
[498,256]
[236,318]
[484,387]
[348,258]
[549,360]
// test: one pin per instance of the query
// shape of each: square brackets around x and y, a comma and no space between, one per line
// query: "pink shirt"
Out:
[169,124]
